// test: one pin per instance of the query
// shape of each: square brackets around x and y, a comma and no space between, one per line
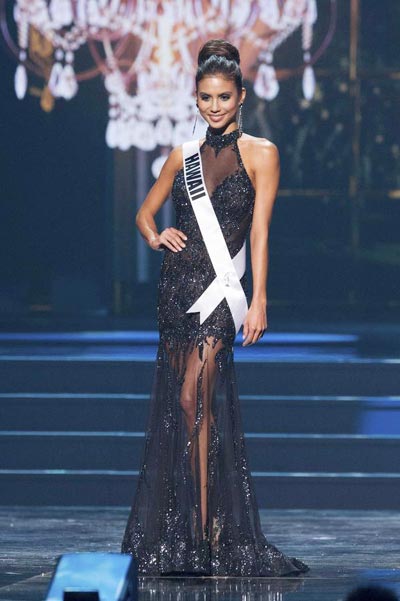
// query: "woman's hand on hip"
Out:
[171,238]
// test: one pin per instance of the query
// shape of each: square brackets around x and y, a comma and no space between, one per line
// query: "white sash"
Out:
[229,271]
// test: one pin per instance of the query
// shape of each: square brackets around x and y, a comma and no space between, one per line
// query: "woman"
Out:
[195,510]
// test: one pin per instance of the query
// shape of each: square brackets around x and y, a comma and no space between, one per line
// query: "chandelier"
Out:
[146,52]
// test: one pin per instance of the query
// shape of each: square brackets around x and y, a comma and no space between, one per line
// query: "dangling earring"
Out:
[240,120]
[195,121]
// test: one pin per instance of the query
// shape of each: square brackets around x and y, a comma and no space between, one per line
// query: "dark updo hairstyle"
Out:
[219,57]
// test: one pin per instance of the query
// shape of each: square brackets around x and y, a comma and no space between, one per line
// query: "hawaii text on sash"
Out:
[193,176]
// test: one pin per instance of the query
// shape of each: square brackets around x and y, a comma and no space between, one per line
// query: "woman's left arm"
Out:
[266,172]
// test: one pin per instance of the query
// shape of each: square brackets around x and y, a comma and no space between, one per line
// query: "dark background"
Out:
[68,244]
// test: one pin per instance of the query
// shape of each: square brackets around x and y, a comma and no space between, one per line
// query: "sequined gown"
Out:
[194,509]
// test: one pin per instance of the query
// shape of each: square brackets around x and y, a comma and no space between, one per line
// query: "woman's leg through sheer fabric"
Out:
[196,401]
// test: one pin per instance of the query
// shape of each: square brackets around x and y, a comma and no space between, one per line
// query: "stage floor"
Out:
[343,549]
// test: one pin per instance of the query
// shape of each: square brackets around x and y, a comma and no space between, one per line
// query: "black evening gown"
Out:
[195,509]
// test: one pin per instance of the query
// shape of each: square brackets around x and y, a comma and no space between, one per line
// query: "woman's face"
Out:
[218,100]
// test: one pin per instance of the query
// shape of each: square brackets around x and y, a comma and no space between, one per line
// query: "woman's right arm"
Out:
[170,237]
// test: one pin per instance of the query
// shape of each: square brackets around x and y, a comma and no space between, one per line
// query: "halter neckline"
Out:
[219,141]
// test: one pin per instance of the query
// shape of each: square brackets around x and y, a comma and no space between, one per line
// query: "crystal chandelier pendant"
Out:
[21,77]
[164,131]
[310,18]
[124,134]
[61,13]
[145,138]
[55,78]
[308,82]
[20,82]
[112,126]
[266,84]
[68,86]
[111,134]
[69,82]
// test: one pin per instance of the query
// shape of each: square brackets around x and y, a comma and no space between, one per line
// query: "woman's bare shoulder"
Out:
[254,143]
[175,158]
[259,151]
